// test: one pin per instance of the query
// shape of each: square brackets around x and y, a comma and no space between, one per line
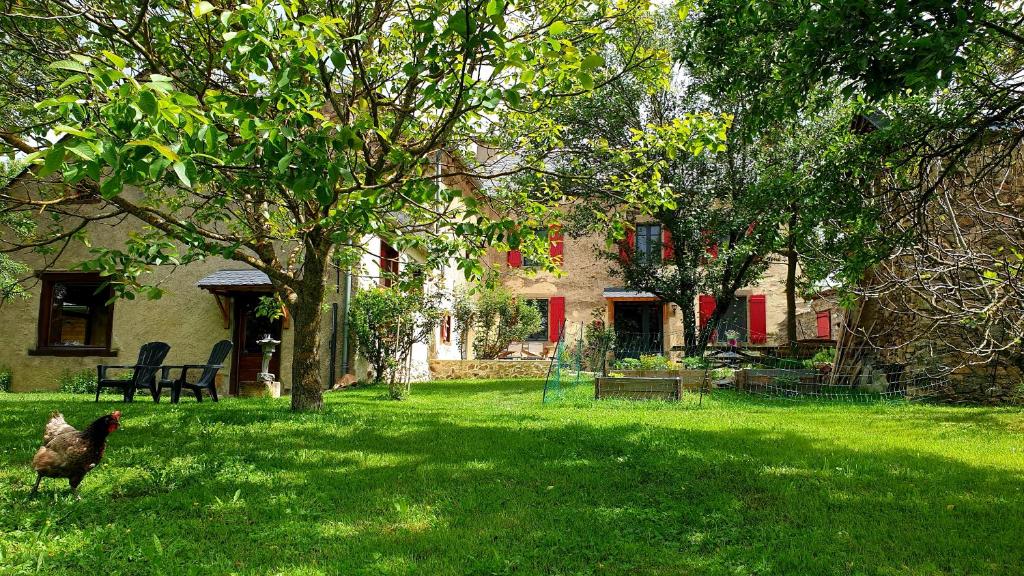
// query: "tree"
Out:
[387,322]
[281,134]
[501,319]
[941,82]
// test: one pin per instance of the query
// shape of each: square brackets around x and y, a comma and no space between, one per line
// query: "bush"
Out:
[823,356]
[81,382]
[627,364]
[502,319]
[387,322]
[695,362]
[656,362]
[5,378]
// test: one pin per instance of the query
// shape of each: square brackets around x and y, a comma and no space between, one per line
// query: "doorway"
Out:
[247,359]
[639,328]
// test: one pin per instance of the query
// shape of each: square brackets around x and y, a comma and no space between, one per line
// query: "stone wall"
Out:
[488,369]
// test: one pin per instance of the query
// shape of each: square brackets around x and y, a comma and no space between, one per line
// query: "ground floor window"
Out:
[446,328]
[75,315]
[542,306]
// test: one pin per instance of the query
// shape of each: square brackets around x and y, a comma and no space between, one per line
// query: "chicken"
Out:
[68,453]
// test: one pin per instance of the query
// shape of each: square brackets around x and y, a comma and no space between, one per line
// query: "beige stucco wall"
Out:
[186,317]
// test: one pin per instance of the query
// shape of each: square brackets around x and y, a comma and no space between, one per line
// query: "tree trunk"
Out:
[307,316]
[791,262]
[689,327]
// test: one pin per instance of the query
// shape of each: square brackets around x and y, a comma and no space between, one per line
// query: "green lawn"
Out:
[481,478]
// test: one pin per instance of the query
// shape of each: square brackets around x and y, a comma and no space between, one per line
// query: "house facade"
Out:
[69,324]
[587,290]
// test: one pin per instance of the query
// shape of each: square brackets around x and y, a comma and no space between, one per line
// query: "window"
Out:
[541,335]
[446,328]
[74,316]
[543,235]
[388,264]
[735,320]
[648,240]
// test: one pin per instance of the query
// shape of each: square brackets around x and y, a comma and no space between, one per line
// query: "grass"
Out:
[480,478]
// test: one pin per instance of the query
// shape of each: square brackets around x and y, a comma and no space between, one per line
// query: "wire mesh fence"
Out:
[590,359]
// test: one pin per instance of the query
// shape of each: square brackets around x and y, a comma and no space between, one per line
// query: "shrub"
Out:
[6,375]
[386,323]
[81,382]
[502,319]
[656,362]
[627,364]
[823,356]
[598,340]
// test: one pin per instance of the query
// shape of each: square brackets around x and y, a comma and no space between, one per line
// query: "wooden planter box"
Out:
[691,379]
[638,388]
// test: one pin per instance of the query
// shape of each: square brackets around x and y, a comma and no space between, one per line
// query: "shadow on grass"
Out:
[372,486]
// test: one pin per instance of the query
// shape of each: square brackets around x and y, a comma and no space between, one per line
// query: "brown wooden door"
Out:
[249,329]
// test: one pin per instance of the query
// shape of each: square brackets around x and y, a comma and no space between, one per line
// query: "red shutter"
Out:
[556,317]
[627,246]
[707,307]
[515,258]
[758,320]
[668,252]
[556,243]
[825,324]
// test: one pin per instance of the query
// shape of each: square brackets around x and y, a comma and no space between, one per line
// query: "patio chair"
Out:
[151,356]
[207,379]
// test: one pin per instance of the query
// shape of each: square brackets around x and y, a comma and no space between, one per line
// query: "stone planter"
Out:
[260,389]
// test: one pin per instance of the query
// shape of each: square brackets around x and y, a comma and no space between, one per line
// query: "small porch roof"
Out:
[224,281]
[626,293]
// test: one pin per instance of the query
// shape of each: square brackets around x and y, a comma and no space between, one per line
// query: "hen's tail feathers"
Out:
[55,427]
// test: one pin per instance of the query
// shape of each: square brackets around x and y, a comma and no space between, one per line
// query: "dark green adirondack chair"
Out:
[151,356]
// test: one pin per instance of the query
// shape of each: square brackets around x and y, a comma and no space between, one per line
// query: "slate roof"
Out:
[227,279]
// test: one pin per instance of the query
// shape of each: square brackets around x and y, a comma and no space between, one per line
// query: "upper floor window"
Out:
[74,315]
[648,240]
[388,264]
[543,235]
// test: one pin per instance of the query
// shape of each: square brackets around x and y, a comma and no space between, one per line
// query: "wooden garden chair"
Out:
[151,356]
[207,379]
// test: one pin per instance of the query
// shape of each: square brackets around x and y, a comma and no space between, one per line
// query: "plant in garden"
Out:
[6,376]
[386,323]
[280,134]
[464,314]
[80,382]
[501,319]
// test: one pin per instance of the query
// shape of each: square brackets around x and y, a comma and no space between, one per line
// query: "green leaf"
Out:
[180,170]
[72,80]
[69,65]
[495,7]
[54,160]
[116,60]
[557,27]
[161,148]
[338,60]
[592,61]
[148,103]
[202,8]
[586,80]
[83,151]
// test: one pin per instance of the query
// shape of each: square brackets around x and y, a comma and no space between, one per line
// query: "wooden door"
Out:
[249,329]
